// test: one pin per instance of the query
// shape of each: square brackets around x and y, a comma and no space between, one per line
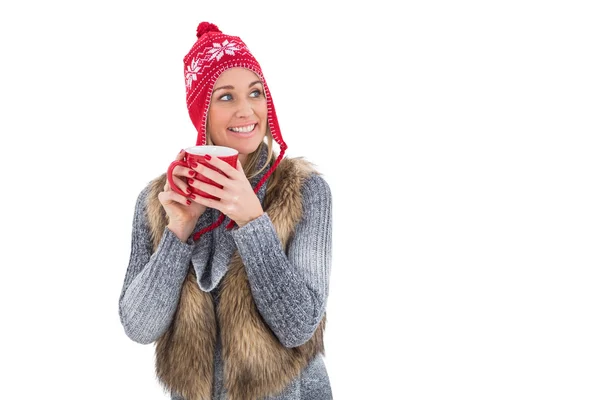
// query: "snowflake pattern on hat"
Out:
[226,48]
[192,72]
[213,54]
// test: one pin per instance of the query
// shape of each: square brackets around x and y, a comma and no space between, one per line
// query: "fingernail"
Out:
[207,156]
[192,173]
[190,181]
[194,164]
[188,190]
[188,202]
[192,196]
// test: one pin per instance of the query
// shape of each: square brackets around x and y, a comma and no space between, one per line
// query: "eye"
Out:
[226,97]
[256,93]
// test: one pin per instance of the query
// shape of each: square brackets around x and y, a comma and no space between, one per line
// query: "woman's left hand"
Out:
[237,199]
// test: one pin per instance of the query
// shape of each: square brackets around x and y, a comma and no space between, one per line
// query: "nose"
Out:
[245,110]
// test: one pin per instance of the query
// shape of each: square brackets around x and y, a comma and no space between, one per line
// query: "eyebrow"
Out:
[229,87]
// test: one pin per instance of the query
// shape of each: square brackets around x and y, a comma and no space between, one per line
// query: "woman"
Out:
[233,291]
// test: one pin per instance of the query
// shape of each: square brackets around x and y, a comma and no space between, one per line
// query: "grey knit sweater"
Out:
[290,290]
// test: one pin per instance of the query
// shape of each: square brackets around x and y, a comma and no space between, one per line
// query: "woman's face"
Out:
[237,116]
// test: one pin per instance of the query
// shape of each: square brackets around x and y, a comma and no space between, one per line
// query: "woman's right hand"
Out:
[183,213]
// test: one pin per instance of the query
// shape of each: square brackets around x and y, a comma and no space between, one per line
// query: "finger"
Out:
[207,202]
[183,172]
[222,165]
[239,167]
[213,175]
[208,188]
[170,197]
[180,155]
[181,184]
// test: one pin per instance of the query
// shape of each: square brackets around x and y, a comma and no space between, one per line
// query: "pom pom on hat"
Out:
[206,27]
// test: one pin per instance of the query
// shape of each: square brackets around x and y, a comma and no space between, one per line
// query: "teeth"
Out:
[244,129]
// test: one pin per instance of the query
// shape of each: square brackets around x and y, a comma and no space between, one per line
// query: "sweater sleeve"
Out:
[153,282]
[290,290]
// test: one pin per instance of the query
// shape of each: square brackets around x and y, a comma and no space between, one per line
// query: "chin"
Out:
[247,146]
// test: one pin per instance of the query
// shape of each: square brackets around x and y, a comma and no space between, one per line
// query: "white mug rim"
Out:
[217,151]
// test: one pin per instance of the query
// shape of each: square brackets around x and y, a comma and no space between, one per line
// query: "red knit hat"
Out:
[212,54]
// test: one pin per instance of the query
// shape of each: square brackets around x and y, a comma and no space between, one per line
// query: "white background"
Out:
[460,140]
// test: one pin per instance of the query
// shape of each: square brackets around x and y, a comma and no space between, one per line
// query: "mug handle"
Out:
[174,187]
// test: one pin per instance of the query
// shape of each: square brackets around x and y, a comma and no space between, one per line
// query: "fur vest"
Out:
[256,364]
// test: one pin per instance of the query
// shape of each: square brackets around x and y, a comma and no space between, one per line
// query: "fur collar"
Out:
[256,364]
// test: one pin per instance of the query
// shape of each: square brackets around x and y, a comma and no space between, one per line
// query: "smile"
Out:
[243,129]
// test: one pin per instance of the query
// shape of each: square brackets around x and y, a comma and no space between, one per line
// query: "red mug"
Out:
[196,154]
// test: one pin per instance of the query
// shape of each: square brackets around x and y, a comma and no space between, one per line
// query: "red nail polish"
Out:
[190,181]
[188,190]
[207,156]
[188,202]
[192,196]
[192,173]
[194,164]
